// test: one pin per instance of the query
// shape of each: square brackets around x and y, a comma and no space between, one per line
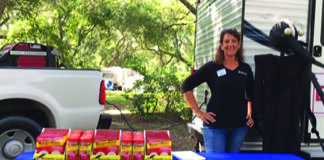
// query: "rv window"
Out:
[108,75]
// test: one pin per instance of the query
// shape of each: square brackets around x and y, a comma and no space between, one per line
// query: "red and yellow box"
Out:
[158,145]
[73,144]
[51,143]
[126,145]
[85,148]
[106,145]
[64,144]
[138,145]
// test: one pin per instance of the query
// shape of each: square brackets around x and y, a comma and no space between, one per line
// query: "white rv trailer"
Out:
[215,15]
[120,78]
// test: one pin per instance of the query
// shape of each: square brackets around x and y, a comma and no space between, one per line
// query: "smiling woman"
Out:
[229,109]
[230,45]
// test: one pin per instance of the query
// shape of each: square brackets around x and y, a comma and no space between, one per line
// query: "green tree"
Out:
[104,32]
[191,8]
[161,93]
[66,25]
[12,10]
[155,38]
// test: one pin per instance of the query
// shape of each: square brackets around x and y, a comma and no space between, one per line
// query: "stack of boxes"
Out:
[63,144]
[72,145]
[138,145]
[51,142]
[158,144]
[106,145]
[85,148]
[126,146]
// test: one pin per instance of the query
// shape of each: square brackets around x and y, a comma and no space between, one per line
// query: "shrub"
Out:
[160,94]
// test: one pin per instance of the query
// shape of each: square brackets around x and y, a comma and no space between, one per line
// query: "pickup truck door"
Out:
[317,52]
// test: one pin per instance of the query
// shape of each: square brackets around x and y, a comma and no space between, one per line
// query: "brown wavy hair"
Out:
[219,56]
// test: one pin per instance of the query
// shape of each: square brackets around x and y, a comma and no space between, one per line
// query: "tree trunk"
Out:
[189,6]
[3,4]
[119,46]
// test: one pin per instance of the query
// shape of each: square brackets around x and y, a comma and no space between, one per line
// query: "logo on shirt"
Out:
[221,72]
[242,72]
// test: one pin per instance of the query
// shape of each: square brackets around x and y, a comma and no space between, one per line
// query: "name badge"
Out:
[221,72]
[242,72]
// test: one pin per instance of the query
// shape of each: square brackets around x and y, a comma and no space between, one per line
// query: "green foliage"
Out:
[22,8]
[116,97]
[144,103]
[102,33]
[161,93]
[155,38]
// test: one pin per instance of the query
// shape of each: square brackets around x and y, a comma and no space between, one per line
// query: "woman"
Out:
[229,109]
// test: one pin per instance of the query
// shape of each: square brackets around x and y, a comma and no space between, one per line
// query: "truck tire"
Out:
[17,135]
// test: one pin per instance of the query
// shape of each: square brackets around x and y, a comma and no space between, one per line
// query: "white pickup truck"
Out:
[32,98]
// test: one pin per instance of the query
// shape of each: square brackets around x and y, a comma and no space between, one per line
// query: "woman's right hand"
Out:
[206,117]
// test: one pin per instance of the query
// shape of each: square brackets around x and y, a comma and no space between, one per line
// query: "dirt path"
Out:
[181,139]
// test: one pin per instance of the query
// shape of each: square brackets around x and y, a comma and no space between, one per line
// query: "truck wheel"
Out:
[17,135]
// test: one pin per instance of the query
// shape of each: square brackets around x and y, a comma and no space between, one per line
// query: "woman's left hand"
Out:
[250,121]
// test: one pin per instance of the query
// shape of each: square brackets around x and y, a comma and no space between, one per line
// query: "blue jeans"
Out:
[224,139]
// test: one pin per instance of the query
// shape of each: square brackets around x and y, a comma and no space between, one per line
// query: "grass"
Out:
[116,97]
[181,139]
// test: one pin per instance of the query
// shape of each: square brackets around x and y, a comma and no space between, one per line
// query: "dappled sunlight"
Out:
[116,112]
